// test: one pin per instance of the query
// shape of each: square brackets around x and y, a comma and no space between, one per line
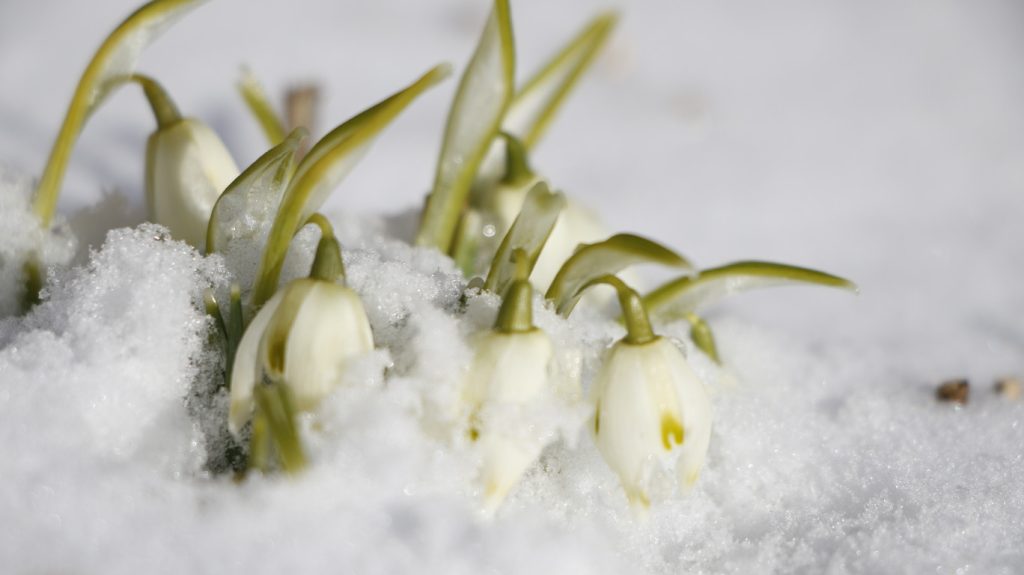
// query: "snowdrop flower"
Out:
[510,370]
[575,225]
[187,168]
[304,336]
[652,412]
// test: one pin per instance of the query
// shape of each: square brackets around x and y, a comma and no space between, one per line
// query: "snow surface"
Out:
[881,141]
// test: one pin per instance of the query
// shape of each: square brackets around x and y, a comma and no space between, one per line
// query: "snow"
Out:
[879,141]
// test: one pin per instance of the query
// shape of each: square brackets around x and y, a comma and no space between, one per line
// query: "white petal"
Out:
[247,369]
[644,392]
[330,328]
[508,367]
[509,371]
[188,168]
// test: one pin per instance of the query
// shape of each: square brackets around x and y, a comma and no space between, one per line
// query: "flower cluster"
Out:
[285,347]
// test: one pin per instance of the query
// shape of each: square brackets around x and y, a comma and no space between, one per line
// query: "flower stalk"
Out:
[652,413]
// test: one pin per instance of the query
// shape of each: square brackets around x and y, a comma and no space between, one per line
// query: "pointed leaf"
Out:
[111,66]
[259,105]
[251,200]
[529,232]
[703,337]
[687,294]
[537,103]
[480,102]
[326,164]
[611,256]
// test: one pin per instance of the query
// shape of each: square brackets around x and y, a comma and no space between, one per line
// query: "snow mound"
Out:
[823,458]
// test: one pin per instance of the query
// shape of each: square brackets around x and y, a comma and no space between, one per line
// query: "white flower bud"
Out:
[187,168]
[305,336]
[575,225]
[652,414]
[510,370]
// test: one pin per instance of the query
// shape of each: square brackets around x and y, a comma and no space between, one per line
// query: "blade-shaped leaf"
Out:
[110,66]
[686,294]
[483,95]
[592,261]
[250,201]
[326,164]
[538,101]
[259,105]
[529,232]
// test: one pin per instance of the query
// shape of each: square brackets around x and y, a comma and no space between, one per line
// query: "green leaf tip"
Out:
[256,100]
[703,337]
[537,103]
[484,93]
[687,294]
[529,233]
[610,256]
[254,196]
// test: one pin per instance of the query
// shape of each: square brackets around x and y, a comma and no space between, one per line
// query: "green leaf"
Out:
[259,105]
[539,100]
[703,337]
[251,200]
[326,164]
[610,256]
[274,402]
[483,95]
[111,65]
[529,232]
[687,294]
[466,246]
[536,104]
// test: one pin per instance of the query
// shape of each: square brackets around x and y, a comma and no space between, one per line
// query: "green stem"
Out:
[327,265]
[274,402]
[160,101]
[259,443]
[235,327]
[49,184]
[516,312]
[638,325]
[33,283]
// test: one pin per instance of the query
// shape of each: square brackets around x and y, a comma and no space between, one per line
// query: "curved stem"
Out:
[638,326]
[160,101]
[327,265]
[516,313]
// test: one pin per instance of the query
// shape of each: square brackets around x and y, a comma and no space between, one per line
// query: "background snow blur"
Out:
[881,141]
